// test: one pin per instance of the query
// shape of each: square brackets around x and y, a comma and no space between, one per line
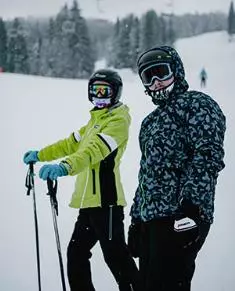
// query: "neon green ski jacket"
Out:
[93,154]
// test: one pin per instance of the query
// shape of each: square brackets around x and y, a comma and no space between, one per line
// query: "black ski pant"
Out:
[167,258]
[93,225]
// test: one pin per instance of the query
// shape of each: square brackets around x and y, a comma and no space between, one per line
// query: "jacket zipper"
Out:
[93,181]
[110,222]
[93,171]
[84,190]
[143,197]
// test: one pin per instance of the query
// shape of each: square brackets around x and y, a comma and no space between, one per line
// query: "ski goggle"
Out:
[159,71]
[101,90]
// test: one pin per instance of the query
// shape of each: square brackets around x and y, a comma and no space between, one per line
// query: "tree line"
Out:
[59,47]
[68,45]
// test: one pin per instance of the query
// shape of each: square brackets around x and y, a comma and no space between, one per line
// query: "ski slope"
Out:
[37,111]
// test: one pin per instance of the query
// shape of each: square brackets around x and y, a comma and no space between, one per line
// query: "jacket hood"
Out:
[180,84]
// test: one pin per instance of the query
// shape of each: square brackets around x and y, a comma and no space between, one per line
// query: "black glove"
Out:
[189,234]
[188,238]
[133,241]
[191,210]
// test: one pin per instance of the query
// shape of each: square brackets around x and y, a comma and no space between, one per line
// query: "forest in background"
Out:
[68,45]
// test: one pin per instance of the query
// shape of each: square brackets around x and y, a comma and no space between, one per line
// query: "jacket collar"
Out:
[99,112]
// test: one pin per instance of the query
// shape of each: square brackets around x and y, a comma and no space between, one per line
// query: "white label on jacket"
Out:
[110,141]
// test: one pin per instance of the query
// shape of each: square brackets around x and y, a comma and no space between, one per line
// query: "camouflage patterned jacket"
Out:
[181,143]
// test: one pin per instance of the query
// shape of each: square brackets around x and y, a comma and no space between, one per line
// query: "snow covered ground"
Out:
[37,111]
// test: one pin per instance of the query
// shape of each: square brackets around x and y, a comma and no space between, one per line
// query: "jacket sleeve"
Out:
[136,208]
[206,128]
[113,134]
[61,148]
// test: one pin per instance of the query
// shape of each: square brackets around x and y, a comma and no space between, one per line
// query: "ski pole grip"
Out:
[52,190]
[29,181]
[31,168]
[50,186]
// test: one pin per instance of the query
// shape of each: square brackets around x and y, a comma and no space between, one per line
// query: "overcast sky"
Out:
[108,9]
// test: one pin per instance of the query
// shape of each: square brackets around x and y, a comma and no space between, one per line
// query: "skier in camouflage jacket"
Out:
[181,143]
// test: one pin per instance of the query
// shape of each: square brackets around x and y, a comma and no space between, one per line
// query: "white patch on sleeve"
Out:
[110,141]
[77,136]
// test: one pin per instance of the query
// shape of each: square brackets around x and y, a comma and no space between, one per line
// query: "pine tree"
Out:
[112,57]
[62,29]
[49,50]
[71,45]
[82,57]
[124,52]
[134,43]
[124,46]
[150,33]
[34,43]
[170,33]
[3,46]
[17,50]
[231,20]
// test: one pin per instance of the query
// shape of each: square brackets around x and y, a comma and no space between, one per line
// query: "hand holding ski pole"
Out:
[30,157]
[52,172]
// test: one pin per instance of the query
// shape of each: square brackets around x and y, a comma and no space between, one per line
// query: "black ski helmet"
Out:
[153,56]
[111,77]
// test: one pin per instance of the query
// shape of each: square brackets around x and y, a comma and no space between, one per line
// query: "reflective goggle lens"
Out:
[101,90]
[160,72]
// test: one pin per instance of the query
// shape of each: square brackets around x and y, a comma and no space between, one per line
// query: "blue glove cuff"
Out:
[63,168]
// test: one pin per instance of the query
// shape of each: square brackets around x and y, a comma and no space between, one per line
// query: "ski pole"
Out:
[29,183]
[52,189]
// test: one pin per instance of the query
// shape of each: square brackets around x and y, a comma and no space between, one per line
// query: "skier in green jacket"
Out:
[93,154]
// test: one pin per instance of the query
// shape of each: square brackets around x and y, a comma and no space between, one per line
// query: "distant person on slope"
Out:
[203,77]
[93,154]
[181,143]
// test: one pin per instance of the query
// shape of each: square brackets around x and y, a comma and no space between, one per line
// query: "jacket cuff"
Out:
[66,166]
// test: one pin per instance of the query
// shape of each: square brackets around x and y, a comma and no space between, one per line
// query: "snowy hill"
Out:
[36,111]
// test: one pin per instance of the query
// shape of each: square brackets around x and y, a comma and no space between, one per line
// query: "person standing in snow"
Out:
[181,143]
[203,77]
[93,154]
